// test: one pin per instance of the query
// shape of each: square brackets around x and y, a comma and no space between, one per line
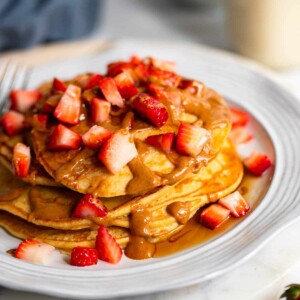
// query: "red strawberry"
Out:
[84,256]
[161,93]
[22,100]
[95,136]
[194,87]
[100,110]
[115,68]
[117,151]
[40,121]
[125,85]
[21,160]
[50,104]
[89,206]
[191,139]
[150,108]
[239,135]
[163,77]
[107,247]
[58,85]
[236,204]
[135,60]
[93,81]
[162,141]
[34,251]
[62,138]
[110,92]
[68,108]
[214,215]
[238,117]
[12,122]
[163,64]
[257,163]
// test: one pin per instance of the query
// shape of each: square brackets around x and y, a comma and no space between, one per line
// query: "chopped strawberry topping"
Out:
[213,216]
[163,77]
[107,247]
[150,108]
[115,68]
[58,85]
[50,104]
[89,206]
[162,141]
[163,64]
[84,256]
[12,122]
[125,85]
[110,92]
[62,138]
[194,87]
[68,108]
[22,100]
[100,110]
[95,136]
[161,93]
[237,205]
[257,163]
[21,160]
[34,251]
[239,117]
[117,151]
[93,81]
[191,139]
[40,121]
[239,135]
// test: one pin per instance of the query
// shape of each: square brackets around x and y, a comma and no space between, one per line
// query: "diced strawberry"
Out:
[163,64]
[21,160]
[12,122]
[125,85]
[89,206]
[151,109]
[235,202]
[115,68]
[239,135]
[110,92]
[135,60]
[117,151]
[163,77]
[62,138]
[58,85]
[191,139]
[34,251]
[107,247]
[239,117]
[95,136]
[93,81]
[100,110]
[50,104]
[68,108]
[162,141]
[40,121]
[142,71]
[84,256]
[22,100]
[214,215]
[161,93]
[194,87]
[257,163]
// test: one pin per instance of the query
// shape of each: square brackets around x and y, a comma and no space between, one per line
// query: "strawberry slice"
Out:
[107,247]
[68,108]
[125,85]
[89,206]
[237,205]
[163,77]
[191,139]
[214,215]
[62,138]
[117,151]
[93,81]
[40,121]
[239,117]
[21,160]
[95,136]
[162,141]
[257,163]
[84,256]
[239,135]
[194,87]
[58,85]
[161,93]
[110,92]
[151,109]
[12,122]
[163,64]
[100,110]
[34,251]
[113,69]
[22,100]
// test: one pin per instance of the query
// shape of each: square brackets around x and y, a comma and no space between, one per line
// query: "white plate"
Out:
[277,130]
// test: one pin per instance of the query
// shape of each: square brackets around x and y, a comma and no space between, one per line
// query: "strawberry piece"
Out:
[162,141]
[239,135]
[50,104]
[135,60]
[238,117]
[21,160]
[12,122]
[58,85]
[100,110]
[93,81]
[163,77]
[68,108]
[194,87]
[22,100]
[236,203]
[151,109]
[40,121]
[89,206]
[125,85]
[191,139]
[34,251]
[62,138]
[107,247]
[84,256]
[117,151]
[115,68]
[163,64]
[257,163]
[110,92]
[95,136]
[214,215]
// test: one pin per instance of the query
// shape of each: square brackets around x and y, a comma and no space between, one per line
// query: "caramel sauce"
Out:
[11,252]
[180,211]
[139,222]
[139,248]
